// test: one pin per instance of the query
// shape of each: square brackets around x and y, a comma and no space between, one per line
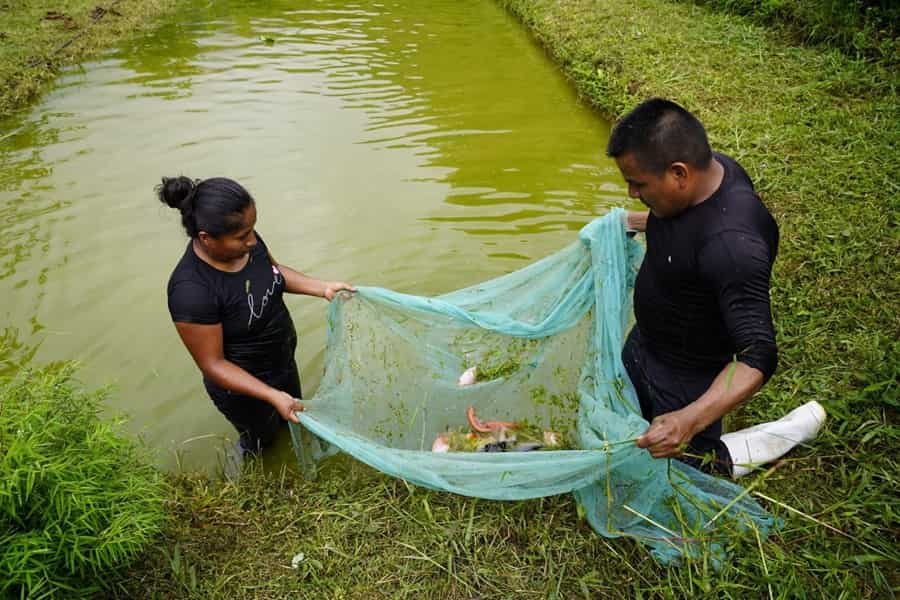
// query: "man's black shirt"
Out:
[702,292]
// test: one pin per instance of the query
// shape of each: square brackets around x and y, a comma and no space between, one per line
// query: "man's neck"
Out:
[708,182]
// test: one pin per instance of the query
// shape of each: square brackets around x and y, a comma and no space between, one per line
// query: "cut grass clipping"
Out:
[77,499]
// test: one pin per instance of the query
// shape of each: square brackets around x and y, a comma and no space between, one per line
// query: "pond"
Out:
[417,146]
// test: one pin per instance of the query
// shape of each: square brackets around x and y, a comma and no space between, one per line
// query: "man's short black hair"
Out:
[659,132]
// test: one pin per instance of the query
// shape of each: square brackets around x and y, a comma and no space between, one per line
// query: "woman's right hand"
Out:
[287,405]
[333,287]
[636,220]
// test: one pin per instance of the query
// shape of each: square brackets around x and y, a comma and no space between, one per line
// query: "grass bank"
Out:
[867,28]
[39,37]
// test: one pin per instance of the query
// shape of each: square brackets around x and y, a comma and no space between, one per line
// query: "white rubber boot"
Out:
[766,442]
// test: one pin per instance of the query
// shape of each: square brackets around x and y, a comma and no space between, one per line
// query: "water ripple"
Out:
[419,146]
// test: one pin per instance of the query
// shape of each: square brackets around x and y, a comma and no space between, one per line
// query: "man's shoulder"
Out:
[739,205]
[732,166]
[735,181]
[734,255]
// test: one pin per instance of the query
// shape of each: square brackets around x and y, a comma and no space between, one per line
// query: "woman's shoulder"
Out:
[260,252]
[190,291]
[188,271]
[260,244]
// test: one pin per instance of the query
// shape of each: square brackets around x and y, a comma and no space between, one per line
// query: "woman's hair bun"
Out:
[215,205]
[174,191]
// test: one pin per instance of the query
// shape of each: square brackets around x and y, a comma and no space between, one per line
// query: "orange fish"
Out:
[487,426]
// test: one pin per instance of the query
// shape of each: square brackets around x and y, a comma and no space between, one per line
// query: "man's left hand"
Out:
[668,435]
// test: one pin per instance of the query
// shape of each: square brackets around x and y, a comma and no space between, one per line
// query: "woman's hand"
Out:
[636,220]
[287,405]
[296,282]
[333,287]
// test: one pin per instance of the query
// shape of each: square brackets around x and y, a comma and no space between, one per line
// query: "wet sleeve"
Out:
[191,302]
[737,265]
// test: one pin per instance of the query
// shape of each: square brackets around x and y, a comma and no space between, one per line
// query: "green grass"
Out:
[39,37]
[866,28]
[363,535]
[78,500]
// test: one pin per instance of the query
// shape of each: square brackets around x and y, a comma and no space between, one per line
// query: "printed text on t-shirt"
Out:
[265,299]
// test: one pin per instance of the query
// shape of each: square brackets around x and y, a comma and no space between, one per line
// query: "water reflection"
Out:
[418,146]
[14,353]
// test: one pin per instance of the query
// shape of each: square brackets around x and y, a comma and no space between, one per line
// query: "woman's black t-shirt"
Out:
[257,330]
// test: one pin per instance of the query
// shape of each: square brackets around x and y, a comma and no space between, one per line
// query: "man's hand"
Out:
[286,405]
[668,435]
[333,287]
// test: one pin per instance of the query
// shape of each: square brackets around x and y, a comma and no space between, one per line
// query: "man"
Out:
[703,340]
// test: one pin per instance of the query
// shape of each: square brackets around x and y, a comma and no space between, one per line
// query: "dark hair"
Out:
[659,132]
[212,205]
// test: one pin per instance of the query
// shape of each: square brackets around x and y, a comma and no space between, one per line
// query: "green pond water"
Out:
[420,146]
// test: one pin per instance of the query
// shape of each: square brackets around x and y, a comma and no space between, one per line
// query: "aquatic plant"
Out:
[501,360]
[78,500]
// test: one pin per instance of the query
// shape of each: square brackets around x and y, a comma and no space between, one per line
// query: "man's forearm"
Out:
[734,384]
[670,433]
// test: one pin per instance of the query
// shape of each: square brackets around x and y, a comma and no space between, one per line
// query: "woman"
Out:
[225,297]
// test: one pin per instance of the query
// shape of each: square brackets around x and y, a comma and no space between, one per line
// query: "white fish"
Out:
[441,443]
[468,377]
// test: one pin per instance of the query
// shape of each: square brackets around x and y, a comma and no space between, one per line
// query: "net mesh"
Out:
[546,343]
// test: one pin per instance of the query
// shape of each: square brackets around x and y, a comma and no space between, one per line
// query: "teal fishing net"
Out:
[545,342]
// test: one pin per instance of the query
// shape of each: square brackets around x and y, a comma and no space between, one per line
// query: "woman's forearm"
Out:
[233,378]
[636,220]
[296,282]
